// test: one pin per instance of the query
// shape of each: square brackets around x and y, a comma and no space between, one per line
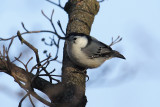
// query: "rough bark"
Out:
[81,15]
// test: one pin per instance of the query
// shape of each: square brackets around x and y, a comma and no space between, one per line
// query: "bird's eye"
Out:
[74,38]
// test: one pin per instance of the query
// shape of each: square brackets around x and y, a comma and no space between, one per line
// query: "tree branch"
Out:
[57,4]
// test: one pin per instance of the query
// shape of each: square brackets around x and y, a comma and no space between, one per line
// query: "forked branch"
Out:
[57,4]
[118,39]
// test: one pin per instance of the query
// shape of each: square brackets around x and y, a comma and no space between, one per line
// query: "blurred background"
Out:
[134,82]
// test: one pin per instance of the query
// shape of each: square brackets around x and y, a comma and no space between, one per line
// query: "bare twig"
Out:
[118,39]
[53,42]
[30,32]
[10,43]
[20,103]
[29,61]
[50,20]
[44,68]
[57,48]
[40,31]
[24,27]
[35,67]
[41,99]
[60,26]
[17,57]
[35,51]
[52,71]
[51,78]
[25,65]
[34,94]
[31,101]
[3,39]
[30,46]
[20,61]
[59,3]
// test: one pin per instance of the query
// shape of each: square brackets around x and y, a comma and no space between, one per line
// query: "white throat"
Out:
[81,42]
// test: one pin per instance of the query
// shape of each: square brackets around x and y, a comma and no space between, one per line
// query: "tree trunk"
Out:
[81,16]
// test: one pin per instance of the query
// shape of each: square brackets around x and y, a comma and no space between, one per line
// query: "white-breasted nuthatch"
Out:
[87,52]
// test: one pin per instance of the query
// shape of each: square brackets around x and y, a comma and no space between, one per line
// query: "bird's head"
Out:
[77,39]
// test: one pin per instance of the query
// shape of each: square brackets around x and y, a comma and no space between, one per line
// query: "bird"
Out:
[88,52]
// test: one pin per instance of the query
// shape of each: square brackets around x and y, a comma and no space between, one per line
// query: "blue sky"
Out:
[133,82]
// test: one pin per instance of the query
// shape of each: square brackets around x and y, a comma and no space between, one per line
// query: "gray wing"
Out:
[96,49]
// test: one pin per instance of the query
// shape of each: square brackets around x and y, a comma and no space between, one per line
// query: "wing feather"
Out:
[96,49]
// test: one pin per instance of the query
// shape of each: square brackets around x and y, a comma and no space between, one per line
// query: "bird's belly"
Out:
[82,60]
[93,63]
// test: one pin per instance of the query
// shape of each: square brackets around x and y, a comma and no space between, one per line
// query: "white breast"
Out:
[81,59]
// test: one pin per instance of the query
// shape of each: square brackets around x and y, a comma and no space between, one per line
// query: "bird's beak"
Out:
[118,55]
